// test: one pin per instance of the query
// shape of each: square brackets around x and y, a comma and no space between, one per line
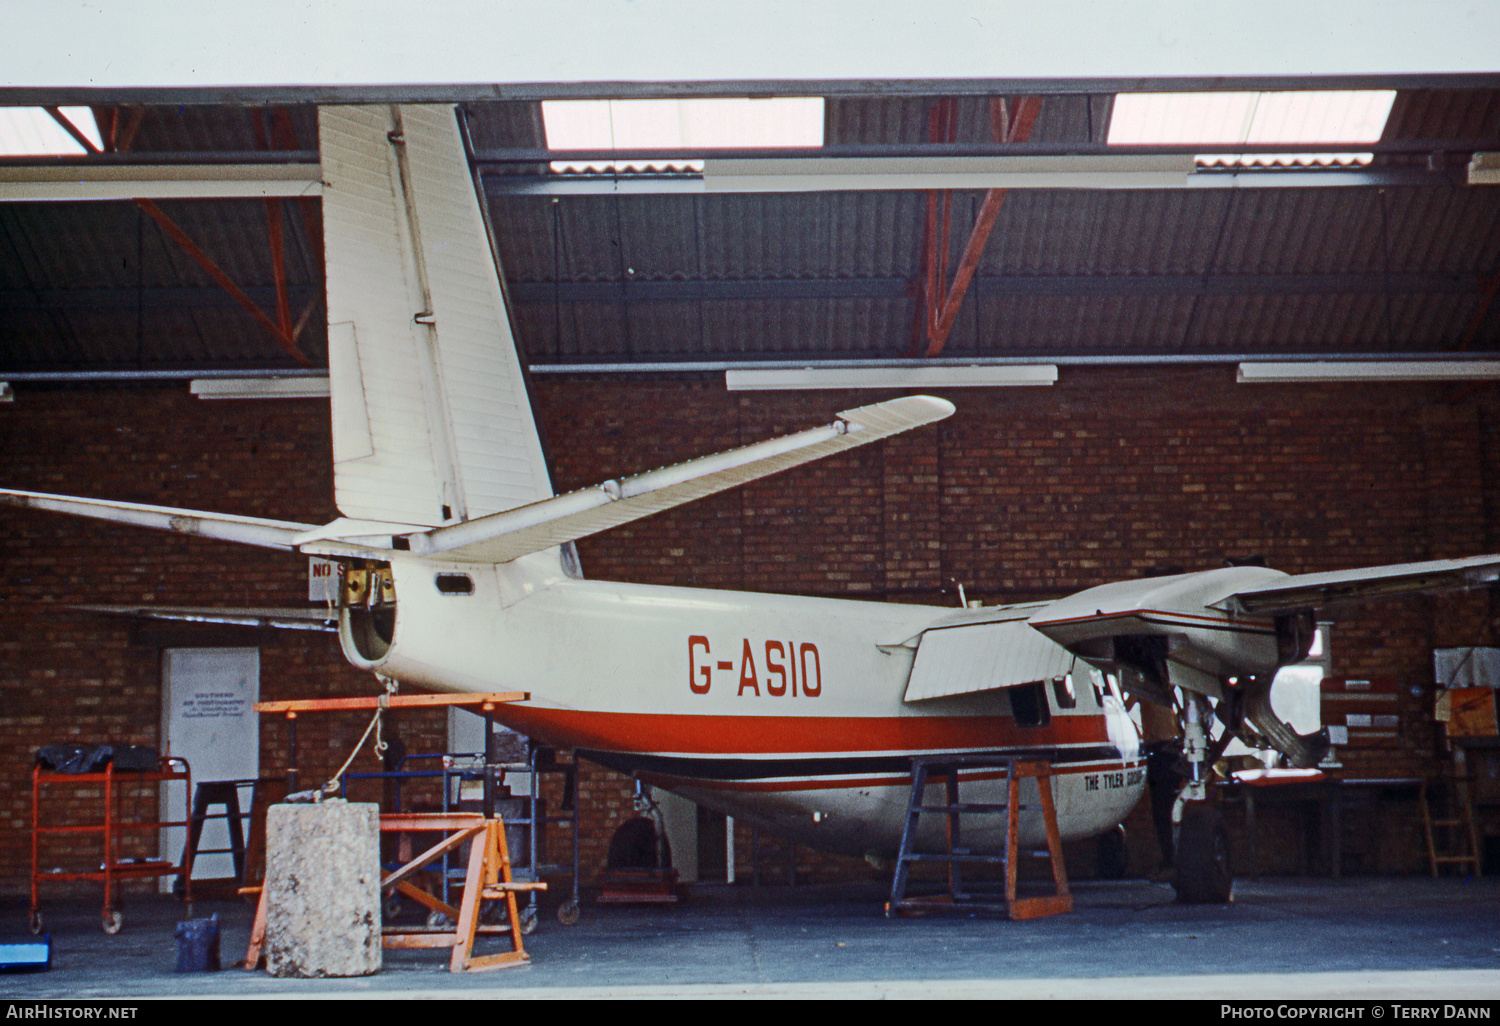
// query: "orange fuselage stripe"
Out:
[680,733]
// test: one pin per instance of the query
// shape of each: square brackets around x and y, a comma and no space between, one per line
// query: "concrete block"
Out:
[323,889]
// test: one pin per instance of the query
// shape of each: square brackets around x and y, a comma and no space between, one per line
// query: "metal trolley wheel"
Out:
[568,913]
[111,921]
[528,920]
[36,923]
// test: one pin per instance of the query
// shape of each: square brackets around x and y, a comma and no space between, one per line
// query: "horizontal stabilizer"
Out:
[502,537]
[311,618]
[1309,591]
[271,534]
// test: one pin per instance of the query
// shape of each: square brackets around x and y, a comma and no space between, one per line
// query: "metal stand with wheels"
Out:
[541,761]
[112,867]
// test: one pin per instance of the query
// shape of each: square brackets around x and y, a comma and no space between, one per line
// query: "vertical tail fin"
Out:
[432,422]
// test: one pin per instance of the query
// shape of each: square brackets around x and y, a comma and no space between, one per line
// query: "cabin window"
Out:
[455,584]
[1028,704]
[1062,690]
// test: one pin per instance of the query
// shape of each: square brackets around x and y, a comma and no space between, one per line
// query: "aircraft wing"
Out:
[272,534]
[501,537]
[1311,591]
[1192,630]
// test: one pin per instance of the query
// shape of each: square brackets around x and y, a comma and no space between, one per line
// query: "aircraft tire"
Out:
[1204,876]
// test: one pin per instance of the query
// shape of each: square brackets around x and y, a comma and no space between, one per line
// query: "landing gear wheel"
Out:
[112,921]
[568,913]
[436,919]
[36,922]
[528,920]
[1204,876]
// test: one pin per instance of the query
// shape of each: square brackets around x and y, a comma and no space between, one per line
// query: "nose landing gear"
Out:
[1204,875]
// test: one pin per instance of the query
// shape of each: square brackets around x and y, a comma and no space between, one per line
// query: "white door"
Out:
[209,719]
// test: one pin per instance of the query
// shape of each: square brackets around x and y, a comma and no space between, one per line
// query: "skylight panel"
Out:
[1290,118]
[780,122]
[32,132]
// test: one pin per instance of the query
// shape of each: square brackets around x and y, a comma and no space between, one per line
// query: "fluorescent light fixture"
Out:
[32,132]
[771,123]
[843,174]
[1368,370]
[1293,118]
[261,388]
[890,377]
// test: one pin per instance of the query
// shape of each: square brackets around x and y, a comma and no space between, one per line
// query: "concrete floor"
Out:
[1408,938]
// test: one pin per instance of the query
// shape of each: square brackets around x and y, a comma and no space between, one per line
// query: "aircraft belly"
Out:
[867,819]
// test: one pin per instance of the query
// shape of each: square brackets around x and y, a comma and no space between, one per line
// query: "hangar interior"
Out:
[636,295]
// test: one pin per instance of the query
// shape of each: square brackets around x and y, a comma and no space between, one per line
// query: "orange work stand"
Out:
[489,871]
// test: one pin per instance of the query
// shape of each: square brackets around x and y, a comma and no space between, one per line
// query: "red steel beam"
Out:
[932,261]
[283,332]
[278,244]
[1009,128]
[203,260]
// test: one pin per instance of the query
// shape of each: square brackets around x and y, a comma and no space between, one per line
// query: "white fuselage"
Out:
[788,711]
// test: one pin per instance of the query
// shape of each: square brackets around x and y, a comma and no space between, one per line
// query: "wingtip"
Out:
[912,410]
[941,408]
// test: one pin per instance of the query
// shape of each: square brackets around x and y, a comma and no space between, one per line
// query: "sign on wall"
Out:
[209,719]
[322,580]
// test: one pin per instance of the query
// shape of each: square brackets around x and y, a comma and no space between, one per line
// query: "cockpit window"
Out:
[1062,690]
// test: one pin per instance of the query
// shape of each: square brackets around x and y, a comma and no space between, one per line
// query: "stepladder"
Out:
[1448,822]
[963,891]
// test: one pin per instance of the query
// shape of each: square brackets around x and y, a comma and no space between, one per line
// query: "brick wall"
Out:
[1025,493]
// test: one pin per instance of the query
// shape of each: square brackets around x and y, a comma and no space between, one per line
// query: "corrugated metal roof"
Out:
[806,275]
[1444,114]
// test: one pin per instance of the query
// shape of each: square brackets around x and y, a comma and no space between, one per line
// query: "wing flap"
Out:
[983,657]
[505,536]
